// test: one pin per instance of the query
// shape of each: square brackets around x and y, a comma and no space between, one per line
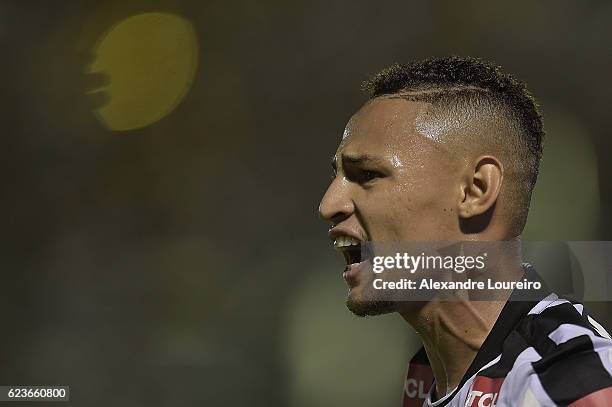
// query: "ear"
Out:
[480,187]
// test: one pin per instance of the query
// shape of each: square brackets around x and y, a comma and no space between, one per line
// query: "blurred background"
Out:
[163,163]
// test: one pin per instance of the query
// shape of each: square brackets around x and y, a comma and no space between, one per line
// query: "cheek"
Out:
[419,211]
[389,216]
[426,189]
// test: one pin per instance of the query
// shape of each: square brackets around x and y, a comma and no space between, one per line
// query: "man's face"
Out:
[391,184]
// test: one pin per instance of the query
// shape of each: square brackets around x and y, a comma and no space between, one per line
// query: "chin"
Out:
[364,308]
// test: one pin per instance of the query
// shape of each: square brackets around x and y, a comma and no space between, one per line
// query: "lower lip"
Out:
[351,273]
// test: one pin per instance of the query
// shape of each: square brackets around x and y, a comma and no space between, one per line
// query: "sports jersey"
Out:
[543,352]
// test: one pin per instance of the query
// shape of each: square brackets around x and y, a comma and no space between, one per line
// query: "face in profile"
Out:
[391,183]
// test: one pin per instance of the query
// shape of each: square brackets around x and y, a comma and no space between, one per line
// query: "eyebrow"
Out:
[356,159]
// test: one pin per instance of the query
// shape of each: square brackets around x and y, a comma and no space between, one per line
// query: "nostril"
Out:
[338,218]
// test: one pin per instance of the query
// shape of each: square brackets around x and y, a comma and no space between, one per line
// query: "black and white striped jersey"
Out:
[544,352]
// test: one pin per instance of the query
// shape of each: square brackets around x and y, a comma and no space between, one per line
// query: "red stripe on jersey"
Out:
[417,385]
[484,392]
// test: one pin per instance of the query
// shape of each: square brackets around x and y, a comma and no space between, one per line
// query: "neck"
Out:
[453,330]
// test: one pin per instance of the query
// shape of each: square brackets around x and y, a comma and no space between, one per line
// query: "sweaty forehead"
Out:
[384,126]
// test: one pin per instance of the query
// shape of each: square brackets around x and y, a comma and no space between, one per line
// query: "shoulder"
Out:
[557,354]
[558,325]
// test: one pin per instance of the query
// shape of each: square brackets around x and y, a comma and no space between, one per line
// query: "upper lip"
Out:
[337,231]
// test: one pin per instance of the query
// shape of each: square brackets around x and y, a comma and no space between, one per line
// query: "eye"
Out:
[362,176]
[368,176]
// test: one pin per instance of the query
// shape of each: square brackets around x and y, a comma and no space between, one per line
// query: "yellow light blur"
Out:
[151,60]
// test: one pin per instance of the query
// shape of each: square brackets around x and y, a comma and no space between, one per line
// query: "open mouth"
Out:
[352,255]
[350,249]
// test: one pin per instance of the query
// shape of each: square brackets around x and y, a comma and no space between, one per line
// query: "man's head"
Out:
[444,150]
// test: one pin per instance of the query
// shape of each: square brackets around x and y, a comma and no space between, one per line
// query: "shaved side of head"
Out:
[474,109]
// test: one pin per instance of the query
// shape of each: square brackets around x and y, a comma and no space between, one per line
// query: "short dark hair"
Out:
[466,82]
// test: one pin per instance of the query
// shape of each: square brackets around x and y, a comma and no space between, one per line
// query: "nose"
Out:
[336,205]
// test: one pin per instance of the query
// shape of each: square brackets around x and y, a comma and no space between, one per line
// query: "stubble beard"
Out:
[365,307]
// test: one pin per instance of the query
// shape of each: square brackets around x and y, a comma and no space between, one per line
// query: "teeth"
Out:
[345,241]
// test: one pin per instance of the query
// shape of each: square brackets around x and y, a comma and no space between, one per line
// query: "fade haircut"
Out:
[481,110]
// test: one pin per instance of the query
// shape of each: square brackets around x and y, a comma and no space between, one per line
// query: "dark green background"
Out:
[183,263]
